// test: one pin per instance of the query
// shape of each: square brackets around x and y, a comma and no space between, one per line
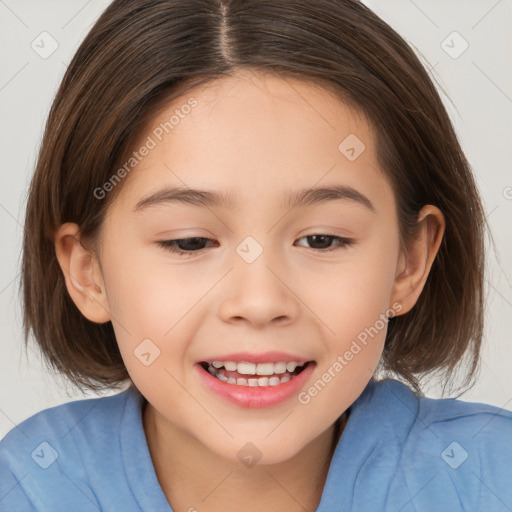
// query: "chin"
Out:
[261,450]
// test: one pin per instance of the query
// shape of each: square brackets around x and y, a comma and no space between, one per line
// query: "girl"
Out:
[246,211]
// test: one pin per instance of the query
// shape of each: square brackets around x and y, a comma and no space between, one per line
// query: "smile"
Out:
[249,380]
[254,374]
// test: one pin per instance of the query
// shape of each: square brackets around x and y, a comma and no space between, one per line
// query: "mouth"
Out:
[250,374]
[249,380]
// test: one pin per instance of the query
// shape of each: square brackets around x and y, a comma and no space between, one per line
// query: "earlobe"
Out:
[414,265]
[82,273]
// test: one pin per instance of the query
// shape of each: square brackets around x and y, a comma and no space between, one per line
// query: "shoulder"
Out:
[44,452]
[403,451]
[458,449]
[439,417]
[484,429]
[69,419]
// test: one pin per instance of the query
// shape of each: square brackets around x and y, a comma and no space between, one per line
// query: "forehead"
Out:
[255,136]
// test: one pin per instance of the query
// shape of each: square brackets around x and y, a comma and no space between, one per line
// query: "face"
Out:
[264,281]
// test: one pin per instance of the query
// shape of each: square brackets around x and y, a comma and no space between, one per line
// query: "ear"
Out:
[82,272]
[415,263]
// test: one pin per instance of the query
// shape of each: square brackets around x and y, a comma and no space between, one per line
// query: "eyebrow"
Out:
[212,198]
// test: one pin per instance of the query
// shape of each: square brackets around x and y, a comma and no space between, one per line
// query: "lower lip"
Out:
[256,397]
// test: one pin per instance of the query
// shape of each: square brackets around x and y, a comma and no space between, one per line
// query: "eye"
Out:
[189,246]
[326,240]
[184,246]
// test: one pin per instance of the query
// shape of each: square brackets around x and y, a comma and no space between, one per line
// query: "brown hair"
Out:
[142,53]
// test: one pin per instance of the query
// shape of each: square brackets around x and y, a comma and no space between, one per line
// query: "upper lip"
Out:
[262,357]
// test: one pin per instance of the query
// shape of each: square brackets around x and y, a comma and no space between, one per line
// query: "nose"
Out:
[259,292]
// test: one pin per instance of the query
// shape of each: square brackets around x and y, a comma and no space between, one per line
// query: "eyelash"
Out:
[171,245]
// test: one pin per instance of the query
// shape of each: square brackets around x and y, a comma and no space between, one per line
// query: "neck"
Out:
[194,478]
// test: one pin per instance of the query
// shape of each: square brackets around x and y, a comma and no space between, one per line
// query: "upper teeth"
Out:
[257,369]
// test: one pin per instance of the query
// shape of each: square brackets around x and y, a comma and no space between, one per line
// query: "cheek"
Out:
[354,295]
[355,311]
[361,305]
[147,295]
[150,299]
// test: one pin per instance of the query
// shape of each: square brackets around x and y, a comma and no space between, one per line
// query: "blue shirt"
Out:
[398,452]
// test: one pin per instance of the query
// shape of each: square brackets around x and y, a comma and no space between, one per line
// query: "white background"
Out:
[476,88]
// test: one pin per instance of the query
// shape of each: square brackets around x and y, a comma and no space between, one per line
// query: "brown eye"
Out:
[184,246]
[323,242]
